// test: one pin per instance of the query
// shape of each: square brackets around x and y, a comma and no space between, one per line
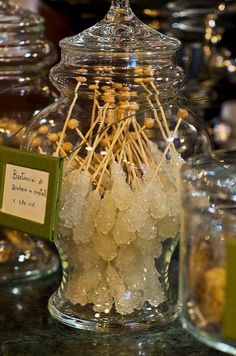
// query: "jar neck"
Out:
[131,70]
[120,4]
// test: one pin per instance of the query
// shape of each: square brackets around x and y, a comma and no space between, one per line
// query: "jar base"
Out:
[215,341]
[86,319]
[25,257]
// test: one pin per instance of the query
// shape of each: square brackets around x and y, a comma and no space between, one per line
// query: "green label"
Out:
[229,324]
[30,186]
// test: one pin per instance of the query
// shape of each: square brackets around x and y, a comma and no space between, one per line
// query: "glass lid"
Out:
[13,16]
[121,31]
[22,37]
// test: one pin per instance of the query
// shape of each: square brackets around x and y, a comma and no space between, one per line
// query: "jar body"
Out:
[119,210]
[208,231]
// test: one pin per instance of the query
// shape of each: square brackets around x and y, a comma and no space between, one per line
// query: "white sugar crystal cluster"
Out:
[116,237]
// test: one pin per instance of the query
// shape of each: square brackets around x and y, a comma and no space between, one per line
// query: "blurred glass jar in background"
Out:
[204,28]
[25,58]
[208,248]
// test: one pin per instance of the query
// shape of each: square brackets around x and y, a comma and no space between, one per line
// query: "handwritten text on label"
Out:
[25,193]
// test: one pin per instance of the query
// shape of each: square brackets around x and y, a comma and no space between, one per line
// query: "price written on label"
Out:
[25,193]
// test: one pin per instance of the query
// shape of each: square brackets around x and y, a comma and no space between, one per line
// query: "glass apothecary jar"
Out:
[25,60]
[123,139]
[208,249]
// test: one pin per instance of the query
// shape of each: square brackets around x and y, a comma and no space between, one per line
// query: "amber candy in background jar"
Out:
[123,139]
[25,59]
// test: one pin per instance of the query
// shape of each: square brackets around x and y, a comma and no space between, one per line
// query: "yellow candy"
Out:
[37,142]
[81,79]
[43,130]
[182,113]
[67,146]
[53,137]
[73,124]
[149,123]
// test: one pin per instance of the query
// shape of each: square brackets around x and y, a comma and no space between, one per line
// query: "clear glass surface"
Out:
[123,138]
[208,200]
[25,57]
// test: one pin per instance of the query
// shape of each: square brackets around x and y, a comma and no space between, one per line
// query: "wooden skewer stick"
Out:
[84,140]
[108,155]
[134,148]
[68,116]
[144,157]
[161,127]
[132,165]
[98,137]
[161,108]
[155,111]
[40,150]
[166,149]
[122,151]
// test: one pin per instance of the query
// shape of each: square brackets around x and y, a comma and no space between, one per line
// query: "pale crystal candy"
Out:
[64,231]
[87,256]
[174,167]
[171,172]
[170,167]
[65,190]
[172,197]
[68,166]
[115,282]
[66,187]
[82,283]
[155,152]
[75,293]
[174,202]
[168,226]
[135,279]
[149,247]
[154,293]
[104,246]
[130,265]
[101,298]
[83,232]
[123,233]
[105,219]
[149,230]
[71,250]
[106,181]
[120,232]
[73,201]
[131,301]
[158,205]
[91,277]
[128,258]
[150,177]
[152,290]
[121,191]
[137,213]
